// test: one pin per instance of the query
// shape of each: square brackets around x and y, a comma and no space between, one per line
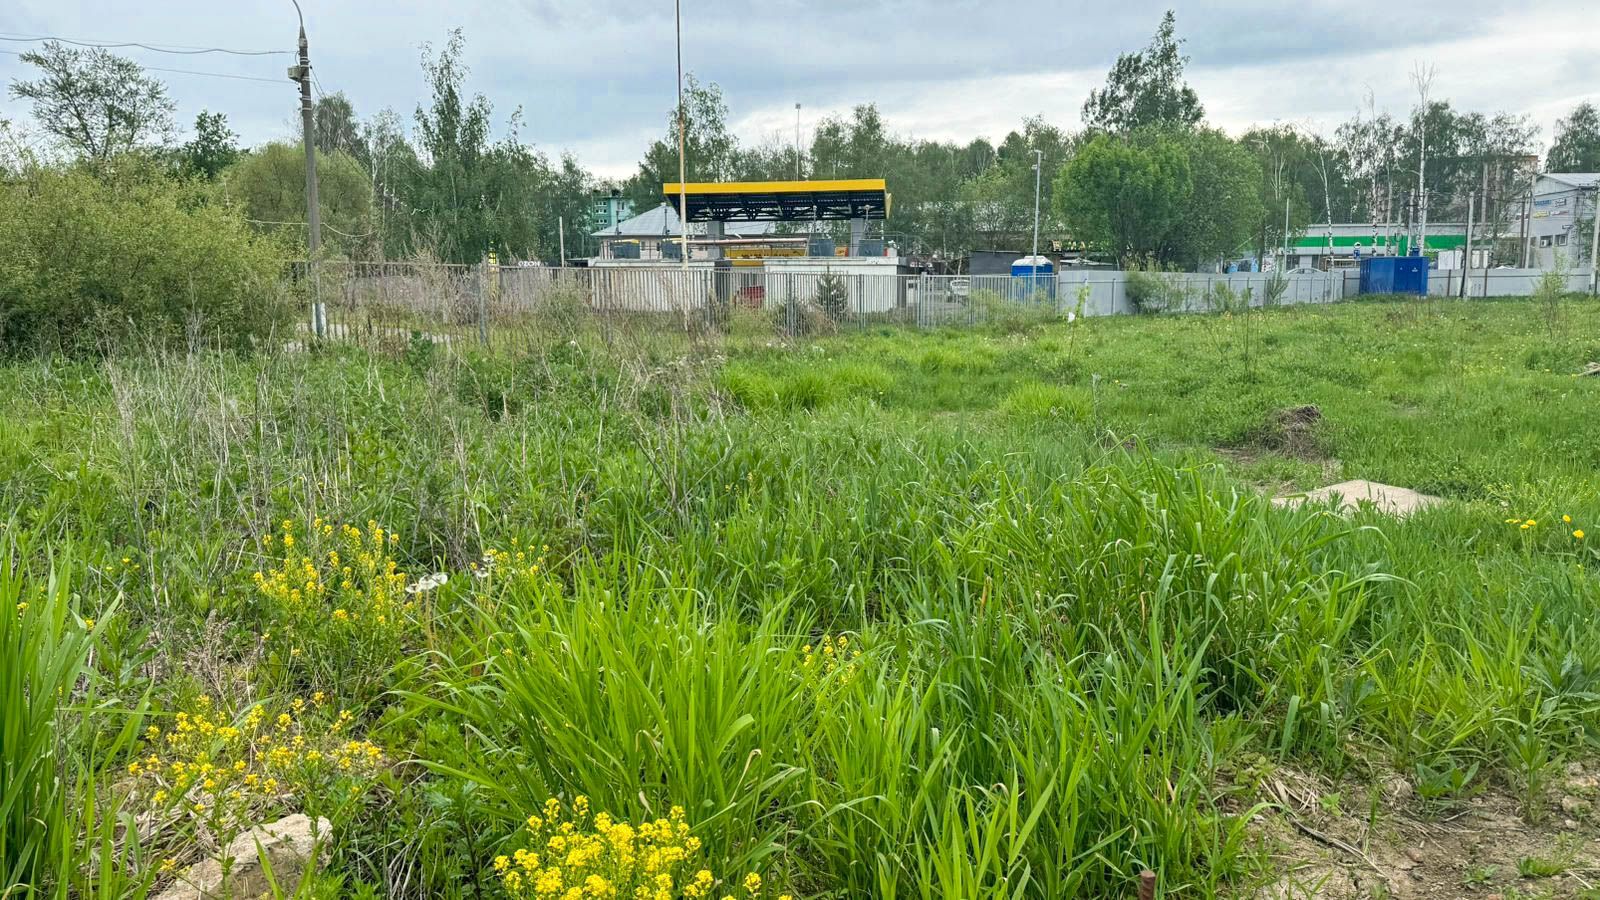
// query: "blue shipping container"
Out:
[1394,275]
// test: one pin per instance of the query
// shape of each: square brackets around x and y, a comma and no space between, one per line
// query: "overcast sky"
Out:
[596,76]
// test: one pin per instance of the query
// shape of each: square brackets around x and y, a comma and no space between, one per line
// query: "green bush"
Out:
[1153,292]
[128,256]
[833,298]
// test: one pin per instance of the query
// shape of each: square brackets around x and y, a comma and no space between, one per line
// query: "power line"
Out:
[178,49]
[189,72]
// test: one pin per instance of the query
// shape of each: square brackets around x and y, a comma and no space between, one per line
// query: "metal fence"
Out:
[405,301]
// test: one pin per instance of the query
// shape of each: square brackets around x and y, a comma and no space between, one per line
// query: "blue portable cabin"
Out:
[1033,278]
[1394,275]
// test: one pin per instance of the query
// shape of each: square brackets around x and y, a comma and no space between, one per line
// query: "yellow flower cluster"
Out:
[573,856]
[219,767]
[1530,524]
[522,561]
[347,573]
[832,656]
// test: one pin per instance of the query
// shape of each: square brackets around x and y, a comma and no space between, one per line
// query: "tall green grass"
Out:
[1077,623]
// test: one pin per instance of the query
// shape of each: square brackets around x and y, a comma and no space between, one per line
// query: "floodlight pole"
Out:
[797,142]
[683,187]
[302,74]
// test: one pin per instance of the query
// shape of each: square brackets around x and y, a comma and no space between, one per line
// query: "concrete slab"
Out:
[1396,501]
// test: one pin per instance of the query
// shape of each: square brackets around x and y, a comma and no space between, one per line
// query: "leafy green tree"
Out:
[335,128]
[97,102]
[269,186]
[1125,196]
[1577,143]
[213,148]
[1370,147]
[1290,163]
[711,152]
[1162,196]
[1146,87]
[394,169]
[857,147]
[1001,195]
[453,140]
[456,193]
[1224,205]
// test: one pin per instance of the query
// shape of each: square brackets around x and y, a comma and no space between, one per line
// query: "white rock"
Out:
[1396,501]
[288,845]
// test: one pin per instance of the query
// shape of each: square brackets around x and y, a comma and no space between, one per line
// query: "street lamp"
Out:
[797,142]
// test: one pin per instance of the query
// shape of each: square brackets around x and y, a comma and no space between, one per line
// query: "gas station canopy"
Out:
[782,201]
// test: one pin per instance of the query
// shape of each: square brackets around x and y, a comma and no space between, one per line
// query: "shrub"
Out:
[793,318]
[1153,292]
[833,297]
[126,255]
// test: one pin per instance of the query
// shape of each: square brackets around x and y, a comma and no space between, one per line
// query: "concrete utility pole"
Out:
[302,74]
[1038,167]
[1594,241]
[1527,224]
[561,237]
[1466,261]
[683,167]
[1285,264]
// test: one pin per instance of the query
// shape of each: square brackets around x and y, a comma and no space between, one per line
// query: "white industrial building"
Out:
[1563,210]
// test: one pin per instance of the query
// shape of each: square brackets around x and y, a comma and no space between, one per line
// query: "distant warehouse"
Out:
[1563,208]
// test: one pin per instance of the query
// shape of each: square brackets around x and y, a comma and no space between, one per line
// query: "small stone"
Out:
[1396,787]
[1414,854]
[288,844]
[1574,806]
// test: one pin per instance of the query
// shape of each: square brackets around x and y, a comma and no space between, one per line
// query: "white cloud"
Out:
[596,77]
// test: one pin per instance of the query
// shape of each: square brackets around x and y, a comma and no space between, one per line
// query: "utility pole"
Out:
[1466,261]
[683,187]
[1527,224]
[561,237]
[302,74]
[1410,207]
[1594,241]
[1038,167]
[1285,262]
[797,142]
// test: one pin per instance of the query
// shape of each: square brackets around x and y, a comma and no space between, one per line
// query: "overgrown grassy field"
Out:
[992,613]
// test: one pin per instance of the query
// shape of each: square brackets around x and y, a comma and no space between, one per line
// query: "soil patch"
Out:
[1358,841]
